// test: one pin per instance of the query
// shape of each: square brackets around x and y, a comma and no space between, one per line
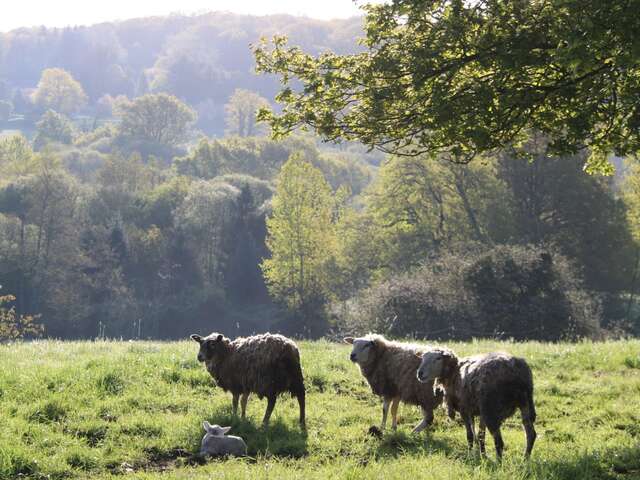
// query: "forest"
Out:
[141,197]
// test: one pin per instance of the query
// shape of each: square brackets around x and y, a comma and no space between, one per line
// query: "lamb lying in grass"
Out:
[490,386]
[390,370]
[216,444]
[266,365]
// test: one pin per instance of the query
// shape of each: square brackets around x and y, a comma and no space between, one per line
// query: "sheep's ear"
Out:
[224,430]
[450,363]
[348,340]
[207,426]
[196,338]
[219,338]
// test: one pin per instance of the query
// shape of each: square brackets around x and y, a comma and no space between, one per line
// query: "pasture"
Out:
[134,410]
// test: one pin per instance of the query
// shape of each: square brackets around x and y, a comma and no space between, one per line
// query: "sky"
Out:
[62,13]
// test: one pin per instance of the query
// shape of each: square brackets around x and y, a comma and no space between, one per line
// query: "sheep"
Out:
[216,444]
[266,365]
[389,368]
[490,386]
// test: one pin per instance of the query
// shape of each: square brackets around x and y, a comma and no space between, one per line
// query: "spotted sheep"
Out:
[267,365]
[390,369]
[491,386]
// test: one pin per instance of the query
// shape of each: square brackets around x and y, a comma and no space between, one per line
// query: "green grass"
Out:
[134,410]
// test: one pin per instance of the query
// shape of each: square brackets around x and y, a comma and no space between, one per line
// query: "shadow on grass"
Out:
[627,461]
[586,466]
[611,464]
[276,440]
[395,444]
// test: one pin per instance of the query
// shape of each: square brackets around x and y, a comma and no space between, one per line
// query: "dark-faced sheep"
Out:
[490,386]
[390,370]
[266,365]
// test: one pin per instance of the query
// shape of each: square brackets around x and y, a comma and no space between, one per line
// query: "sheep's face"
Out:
[363,349]
[215,430]
[431,366]
[438,363]
[210,346]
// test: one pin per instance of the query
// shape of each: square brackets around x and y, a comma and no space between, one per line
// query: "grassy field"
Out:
[134,410]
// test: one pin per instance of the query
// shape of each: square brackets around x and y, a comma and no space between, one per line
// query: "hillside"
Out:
[201,59]
[101,409]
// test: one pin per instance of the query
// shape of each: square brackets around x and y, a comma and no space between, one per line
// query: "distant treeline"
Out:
[200,59]
[119,217]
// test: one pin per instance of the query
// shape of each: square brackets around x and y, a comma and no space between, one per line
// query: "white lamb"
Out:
[216,444]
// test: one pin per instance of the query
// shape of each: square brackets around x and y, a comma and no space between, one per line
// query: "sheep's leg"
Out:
[530,432]
[482,428]
[427,420]
[497,440]
[468,423]
[234,404]
[385,409]
[394,413]
[271,403]
[301,404]
[243,404]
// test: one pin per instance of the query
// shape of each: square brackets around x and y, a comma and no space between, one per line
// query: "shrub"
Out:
[508,291]
[529,292]
[430,302]
[14,326]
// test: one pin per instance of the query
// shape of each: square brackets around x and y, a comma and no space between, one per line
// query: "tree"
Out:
[59,91]
[462,78]
[156,118]
[40,229]
[631,195]
[120,181]
[301,239]
[552,202]
[205,215]
[240,113]
[420,206]
[630,190]
[16,157]
[53,127]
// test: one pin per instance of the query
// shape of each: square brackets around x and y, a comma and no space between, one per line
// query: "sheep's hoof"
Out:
[375,432]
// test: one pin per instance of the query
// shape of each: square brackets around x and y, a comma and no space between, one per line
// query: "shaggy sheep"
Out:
[266,365]
[490,386]
[216,444]
[389,368]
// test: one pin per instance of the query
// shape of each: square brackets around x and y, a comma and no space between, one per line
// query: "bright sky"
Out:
[61,13]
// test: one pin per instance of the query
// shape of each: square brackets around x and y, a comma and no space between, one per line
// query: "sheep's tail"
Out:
[297,390]
[300,394]
[531,408]
[527,408]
